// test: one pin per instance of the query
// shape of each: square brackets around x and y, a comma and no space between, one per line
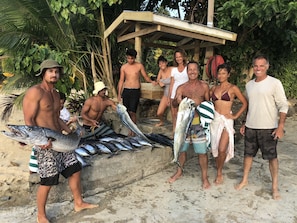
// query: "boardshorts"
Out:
[52,163]
[262,139]
[196,136]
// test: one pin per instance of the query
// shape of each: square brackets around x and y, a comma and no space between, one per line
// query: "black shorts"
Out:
[131,98]
[262,139]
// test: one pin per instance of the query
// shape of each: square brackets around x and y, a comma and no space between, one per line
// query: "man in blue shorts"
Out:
[198,91]
[129,84]
[265,121]
[41,107]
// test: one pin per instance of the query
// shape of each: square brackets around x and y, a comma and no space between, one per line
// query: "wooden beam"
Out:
[126,28]
[156,36]
[192,35]
[184,41]
[141,32]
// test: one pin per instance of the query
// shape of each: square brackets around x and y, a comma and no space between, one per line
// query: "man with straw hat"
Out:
[93,109]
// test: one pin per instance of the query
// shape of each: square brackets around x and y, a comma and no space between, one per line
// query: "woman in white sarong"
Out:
[221,128]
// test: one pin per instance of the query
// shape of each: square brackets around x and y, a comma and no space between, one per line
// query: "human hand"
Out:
[48,145]
[278,133]
[161,84]
[242,129]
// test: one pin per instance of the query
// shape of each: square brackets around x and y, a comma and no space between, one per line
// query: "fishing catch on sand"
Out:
[125,118]
[185,115]
[34,135]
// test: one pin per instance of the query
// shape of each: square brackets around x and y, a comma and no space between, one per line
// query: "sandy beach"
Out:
[154,200]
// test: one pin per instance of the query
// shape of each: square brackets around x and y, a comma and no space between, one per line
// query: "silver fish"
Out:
[82,151]
[185,115]
[34,135]
[125,118]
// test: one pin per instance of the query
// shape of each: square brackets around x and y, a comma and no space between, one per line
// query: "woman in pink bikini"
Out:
[221,128]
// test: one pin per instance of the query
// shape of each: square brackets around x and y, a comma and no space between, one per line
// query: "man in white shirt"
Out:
[265,121]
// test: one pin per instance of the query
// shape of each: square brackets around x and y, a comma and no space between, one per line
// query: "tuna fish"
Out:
[185,115]
[34,135]
[125,118]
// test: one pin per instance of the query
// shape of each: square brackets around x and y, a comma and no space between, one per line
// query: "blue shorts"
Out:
[196,136]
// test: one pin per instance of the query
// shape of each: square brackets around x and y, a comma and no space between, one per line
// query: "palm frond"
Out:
[8,103]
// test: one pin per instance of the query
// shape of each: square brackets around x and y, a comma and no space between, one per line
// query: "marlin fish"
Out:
[125,118]
[185,115]
[34,135]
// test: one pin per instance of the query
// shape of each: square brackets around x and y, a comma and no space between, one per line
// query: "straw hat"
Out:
[48,64]
[99,86]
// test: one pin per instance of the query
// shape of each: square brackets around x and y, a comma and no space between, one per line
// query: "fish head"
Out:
[26,134]
[186,104]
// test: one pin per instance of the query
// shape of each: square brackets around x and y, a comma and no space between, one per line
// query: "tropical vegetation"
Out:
[70,31]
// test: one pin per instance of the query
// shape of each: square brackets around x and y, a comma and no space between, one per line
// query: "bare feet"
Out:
[84,206]
[276,195]
[42,220]
[174,177]
[240,185]
[219,180]
[159,124]
[206,184]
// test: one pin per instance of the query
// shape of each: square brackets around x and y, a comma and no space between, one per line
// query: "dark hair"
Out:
[183,53]
[261,56]
[62,96]
[224,66]
[161,58]
[131,52]
[194,62]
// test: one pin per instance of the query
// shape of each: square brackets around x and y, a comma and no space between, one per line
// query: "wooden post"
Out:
[210,12]
[138,44]
[208,54]
[196,51]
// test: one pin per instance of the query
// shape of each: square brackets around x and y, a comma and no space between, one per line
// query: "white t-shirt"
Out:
[179,79]
[266,99]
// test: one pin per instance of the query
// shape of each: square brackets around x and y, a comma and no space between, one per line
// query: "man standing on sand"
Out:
[129,83]
[94,107]
[265,120]
[41,107]
[198,91]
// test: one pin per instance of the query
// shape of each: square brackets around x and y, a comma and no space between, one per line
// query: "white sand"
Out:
[154,200]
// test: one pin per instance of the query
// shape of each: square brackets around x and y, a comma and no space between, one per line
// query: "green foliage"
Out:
[260,28]
[286,71]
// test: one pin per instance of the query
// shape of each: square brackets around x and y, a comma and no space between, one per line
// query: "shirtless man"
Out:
[41,107]
[198,91]
[95,106]
[129,83]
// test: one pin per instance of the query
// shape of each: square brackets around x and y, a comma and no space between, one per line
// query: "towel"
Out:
[216,128]
[206,112]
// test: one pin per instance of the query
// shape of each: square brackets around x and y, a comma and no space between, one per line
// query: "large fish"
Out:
[185,115]
[125,118]
[34,135]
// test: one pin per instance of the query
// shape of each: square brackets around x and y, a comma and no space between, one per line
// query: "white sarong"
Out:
[216,128]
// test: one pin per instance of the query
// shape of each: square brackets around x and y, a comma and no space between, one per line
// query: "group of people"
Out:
[265,118]
[266,107]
